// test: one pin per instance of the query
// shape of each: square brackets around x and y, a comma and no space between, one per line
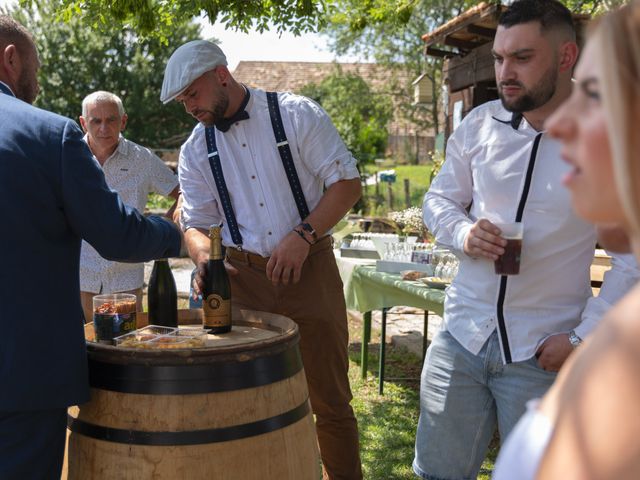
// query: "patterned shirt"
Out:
[134,172]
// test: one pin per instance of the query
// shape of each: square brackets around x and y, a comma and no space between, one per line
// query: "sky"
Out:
[268,46]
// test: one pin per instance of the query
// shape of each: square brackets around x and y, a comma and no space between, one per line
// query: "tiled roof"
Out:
[292,76]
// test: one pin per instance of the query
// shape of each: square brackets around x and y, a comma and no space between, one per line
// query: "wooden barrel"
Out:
[236,409]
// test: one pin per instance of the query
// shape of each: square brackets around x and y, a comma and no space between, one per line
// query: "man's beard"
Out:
[26,88]
[532,98]
[215,113]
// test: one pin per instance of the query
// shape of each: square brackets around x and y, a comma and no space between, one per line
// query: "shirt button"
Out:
[262,204]
[244,144]
[269,233]
[253,177]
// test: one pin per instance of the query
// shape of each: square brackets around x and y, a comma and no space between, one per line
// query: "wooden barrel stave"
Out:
[289,453]
[262,432]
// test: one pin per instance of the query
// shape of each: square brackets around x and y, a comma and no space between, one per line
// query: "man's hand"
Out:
[554,351]
[484,240]
[201,275]
[285,264]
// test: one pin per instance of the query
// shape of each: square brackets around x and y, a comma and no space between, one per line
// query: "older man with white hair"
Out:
[131,170]
[273,167]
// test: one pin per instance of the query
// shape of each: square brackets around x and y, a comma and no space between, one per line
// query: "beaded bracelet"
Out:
[301,234]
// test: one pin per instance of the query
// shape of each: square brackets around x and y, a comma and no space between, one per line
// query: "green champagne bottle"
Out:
[216,297]
[162,295]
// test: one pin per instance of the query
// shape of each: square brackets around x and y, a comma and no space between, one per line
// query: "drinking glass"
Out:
[114,314]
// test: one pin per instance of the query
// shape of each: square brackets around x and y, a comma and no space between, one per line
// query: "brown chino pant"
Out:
[316,304]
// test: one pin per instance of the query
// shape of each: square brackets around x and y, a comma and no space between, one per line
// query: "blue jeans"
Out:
[462,398]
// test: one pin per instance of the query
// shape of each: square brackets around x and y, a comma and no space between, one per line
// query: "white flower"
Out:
[410,219]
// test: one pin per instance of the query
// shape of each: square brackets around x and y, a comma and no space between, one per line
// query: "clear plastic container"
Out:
[139,338]
[174,342]
[156,330]
[194,332]
[114,315]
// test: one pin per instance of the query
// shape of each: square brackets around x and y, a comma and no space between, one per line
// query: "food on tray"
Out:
[171,342]
[412,275]
[436,280]
[162,343]
[132,342]
[154,337]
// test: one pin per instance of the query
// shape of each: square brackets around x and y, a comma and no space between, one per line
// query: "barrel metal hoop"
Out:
[193,437]
[192,379]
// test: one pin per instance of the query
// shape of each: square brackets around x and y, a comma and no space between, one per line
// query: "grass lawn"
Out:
[388,423]
[419,179]
[159,202]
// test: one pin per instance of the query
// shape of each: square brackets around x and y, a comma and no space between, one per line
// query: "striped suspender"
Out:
[221,185]
[287,162]
[285,155]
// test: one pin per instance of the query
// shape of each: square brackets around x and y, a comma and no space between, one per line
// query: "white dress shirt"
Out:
[133,171]
[255,177]
[483,177]
[617,281]
[522,450]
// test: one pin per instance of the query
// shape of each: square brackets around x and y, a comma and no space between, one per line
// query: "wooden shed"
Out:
[465,43]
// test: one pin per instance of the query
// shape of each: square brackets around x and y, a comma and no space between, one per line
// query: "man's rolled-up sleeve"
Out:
[199,206]
[324,152]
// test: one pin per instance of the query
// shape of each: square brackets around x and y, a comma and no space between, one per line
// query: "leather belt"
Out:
[260,261]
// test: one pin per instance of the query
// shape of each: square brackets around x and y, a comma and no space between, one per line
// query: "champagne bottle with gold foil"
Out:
[216,297]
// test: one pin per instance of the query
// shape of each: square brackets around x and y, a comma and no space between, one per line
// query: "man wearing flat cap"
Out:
[272,167]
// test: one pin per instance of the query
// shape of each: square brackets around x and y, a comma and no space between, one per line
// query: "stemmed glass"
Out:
[436,258]
[441,267]
[449,272]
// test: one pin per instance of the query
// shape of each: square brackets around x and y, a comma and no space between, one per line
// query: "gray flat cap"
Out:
[186,64]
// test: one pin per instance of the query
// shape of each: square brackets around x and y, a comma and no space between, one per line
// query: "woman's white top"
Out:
[520,455]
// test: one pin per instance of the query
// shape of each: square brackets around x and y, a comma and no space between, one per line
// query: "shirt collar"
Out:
[123,146]
[224,124]
[121,149]
[517,121]
[4,88]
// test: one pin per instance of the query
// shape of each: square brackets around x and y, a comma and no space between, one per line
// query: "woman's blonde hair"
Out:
[617,36]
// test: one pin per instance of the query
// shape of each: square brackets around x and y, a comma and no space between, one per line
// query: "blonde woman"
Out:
[588,425]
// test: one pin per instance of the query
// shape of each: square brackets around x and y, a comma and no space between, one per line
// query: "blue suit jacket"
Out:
[52,195]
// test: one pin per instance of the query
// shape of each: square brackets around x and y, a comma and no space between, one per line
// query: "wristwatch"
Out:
[574,339]
[307,233]
[310,230]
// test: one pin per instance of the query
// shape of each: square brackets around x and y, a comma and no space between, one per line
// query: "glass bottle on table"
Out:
[216,295]
[162,295]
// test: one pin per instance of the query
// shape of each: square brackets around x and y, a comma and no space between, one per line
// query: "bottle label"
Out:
[217,311]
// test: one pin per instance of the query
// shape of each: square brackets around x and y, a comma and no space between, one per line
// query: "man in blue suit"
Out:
[52,195]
